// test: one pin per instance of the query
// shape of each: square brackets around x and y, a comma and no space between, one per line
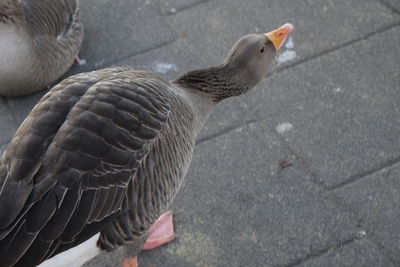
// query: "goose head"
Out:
[245,65]
[253,54]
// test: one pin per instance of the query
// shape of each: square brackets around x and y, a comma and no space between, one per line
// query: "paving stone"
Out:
[359,253]
[375,200]
[238,207]
[169,61]
[319,25]
[115,29]
[172,6]
[395,4]
[343,108]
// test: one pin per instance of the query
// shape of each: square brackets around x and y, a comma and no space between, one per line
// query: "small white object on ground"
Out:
[288,54]
[284,127]
[163,68]
[361,234]
[289,44]
[82,61]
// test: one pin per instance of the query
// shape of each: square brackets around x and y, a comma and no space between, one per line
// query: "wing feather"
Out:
[67,182]
[49,17]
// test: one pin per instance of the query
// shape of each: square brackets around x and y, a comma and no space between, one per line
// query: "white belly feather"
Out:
[75,256]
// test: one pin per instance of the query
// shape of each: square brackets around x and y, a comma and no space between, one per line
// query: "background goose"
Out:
[39,40]
[103,154]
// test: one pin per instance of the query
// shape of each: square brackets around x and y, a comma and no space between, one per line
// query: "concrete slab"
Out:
[345,119]
[170,7]
[394,4]
[238,207]
[117,29]
[360,253]
[170,61]
[319,25]
[375,200]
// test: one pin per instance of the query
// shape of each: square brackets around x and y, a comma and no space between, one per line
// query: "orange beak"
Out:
[279,35]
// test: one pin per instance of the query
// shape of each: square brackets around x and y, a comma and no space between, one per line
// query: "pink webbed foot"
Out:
[160,233]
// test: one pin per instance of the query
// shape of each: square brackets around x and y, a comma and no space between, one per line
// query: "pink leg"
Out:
[160,233]
[77,61]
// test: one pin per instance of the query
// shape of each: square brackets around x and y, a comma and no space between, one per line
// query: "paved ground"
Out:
[329,108]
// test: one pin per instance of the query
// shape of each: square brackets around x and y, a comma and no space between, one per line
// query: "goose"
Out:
[101,156]
[39,41]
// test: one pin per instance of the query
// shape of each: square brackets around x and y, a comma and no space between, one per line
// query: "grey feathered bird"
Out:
[102,155]
[39,40]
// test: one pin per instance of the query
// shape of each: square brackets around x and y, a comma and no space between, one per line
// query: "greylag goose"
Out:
[102,155]
[39,40]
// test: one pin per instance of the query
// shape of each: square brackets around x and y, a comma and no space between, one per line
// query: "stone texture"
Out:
[170,61]
[375,200]
[360,253]
[395,4]
[170,7]
[117,29]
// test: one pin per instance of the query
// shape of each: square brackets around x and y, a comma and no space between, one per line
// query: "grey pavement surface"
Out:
[328,108]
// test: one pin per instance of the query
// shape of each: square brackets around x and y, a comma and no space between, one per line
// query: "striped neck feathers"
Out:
[219,82]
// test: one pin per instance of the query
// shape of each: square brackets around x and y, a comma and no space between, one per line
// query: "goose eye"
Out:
[262,49]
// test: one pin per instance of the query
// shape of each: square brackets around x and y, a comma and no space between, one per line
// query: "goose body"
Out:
[103,154]
[39,40]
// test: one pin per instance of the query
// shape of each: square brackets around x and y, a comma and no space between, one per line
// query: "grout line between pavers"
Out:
[184,37]
[383,250]
[363,175]
[303,163]
[223,132]
[305,167]
[320,252]
[392,8]
[337,47]
[107,64]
